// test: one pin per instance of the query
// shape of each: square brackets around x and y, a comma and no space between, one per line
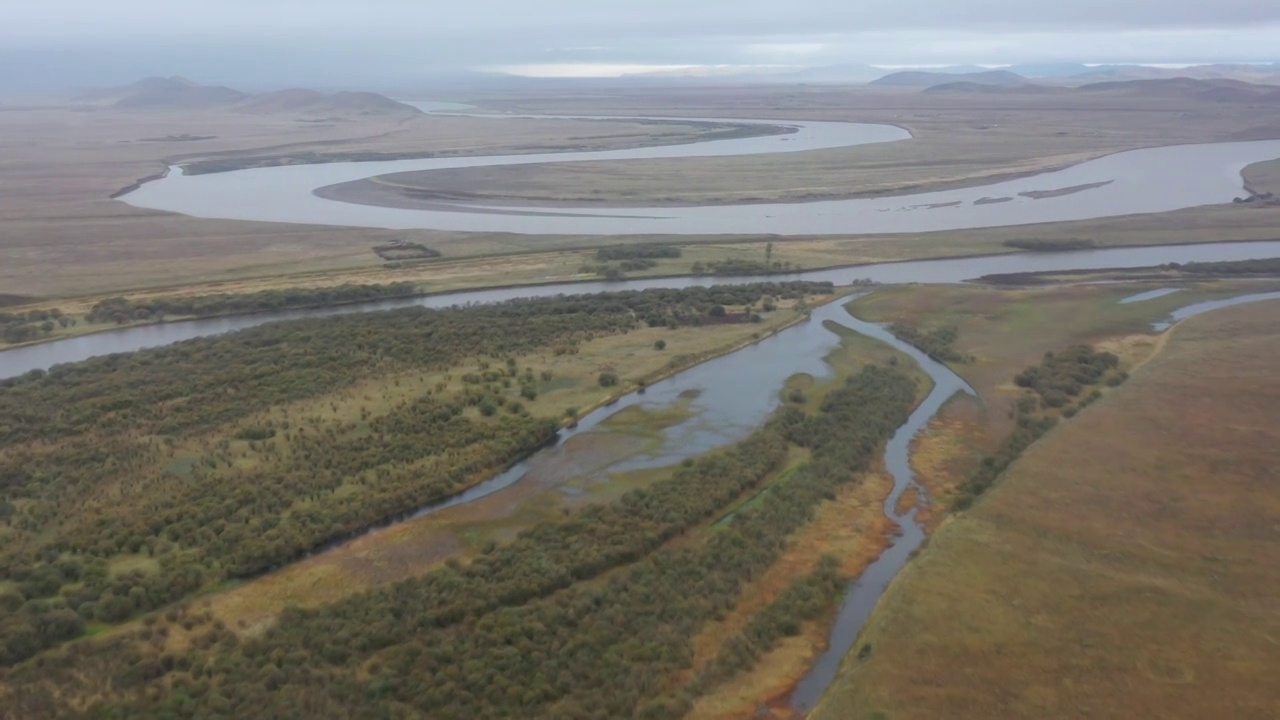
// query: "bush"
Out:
[608,379]
[660,345]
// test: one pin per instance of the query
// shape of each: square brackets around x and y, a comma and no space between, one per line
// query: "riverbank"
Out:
[496,274]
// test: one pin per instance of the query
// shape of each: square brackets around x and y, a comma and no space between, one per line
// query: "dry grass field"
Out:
[64,238]
[1124,567]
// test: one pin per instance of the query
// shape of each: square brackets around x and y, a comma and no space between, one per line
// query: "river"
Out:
[42,356]
[1149,180]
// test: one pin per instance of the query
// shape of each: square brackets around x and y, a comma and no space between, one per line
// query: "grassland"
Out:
[1125,567]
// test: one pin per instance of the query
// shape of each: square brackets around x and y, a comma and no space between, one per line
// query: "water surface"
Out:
[42,356]
[1149,180]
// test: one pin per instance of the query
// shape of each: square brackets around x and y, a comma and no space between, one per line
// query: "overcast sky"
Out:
[400,38]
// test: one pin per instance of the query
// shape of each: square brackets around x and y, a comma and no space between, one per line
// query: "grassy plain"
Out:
[1124,567]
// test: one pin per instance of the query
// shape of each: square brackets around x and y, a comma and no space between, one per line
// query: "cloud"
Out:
[352,41]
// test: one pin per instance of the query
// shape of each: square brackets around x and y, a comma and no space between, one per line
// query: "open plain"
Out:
[1123,566]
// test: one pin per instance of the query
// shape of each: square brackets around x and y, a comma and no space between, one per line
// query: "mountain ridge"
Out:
[178,93]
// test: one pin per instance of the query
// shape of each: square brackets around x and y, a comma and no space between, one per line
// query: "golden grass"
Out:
[1125,567]
[853,528]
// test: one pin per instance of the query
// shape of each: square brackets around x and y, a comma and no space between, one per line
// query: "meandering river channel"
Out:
[1149,180]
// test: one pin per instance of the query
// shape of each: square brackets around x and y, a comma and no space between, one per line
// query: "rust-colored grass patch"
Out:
[853,528]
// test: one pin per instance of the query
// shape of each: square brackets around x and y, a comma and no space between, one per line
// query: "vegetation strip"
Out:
[524,629]
[129,482]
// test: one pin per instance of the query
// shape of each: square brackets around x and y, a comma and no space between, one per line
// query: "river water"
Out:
[1149,180]
[43,356]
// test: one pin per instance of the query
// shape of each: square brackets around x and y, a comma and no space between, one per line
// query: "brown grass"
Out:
[1125,567]
[851,527]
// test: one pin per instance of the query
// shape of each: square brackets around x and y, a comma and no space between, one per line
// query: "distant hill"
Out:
[171,93]
[1049,70]
[973,87]
[924,79]
[1218,90]
[176,93]
[1263,74]
[314,102]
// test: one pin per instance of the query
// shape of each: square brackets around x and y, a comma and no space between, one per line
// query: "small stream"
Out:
[863,593]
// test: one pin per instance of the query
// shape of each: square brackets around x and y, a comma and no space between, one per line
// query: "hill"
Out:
[171,93]
[1264,74]
[973,87]
[314,102]
[177,93]
[1218,90]
[924,79]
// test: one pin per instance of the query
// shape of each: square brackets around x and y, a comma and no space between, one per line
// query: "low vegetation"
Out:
[1056,387]
[589,616]
[226,456]
[403,250]
[122,310]
[938,343]
[1050,244]
[20,327]
[1269,266]
[739,266]
[637,252]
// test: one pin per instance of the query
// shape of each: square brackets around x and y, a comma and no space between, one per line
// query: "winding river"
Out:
[1139,181]
[731,395]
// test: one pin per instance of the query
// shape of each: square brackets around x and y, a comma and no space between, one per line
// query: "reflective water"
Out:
[1203,307]
[1140,181]
[1149,295]
[43,356]
[863,593]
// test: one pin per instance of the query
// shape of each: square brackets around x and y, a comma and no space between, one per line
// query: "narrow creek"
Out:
[865,591]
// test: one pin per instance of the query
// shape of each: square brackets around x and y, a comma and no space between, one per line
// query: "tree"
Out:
[768,253]
[660,345]
[608,379]
[717,311]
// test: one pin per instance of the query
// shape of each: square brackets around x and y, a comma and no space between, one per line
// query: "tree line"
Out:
[1055,389]
[938,343]
[122,310]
